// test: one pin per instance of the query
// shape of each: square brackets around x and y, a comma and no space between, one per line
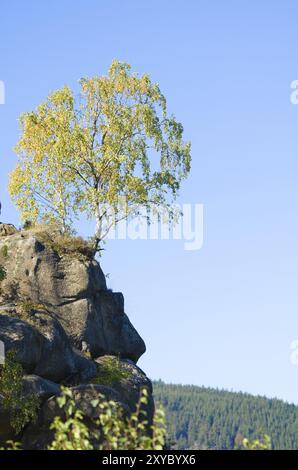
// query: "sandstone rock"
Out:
[58,315]
[57,361]
[86,369]
[23,339]
[73,289]
[42,348]
[44,389]
[7,230]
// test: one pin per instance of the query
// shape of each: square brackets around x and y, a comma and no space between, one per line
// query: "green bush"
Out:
[257,444]
[109,371]
[2,273]
[4,251]
[23,409]
[113,430]
[11,445]
[65,244]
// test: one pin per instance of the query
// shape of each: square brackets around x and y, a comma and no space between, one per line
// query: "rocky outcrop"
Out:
[65,327]
[72,289]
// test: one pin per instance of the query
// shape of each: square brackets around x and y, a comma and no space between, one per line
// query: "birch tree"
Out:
[82,154]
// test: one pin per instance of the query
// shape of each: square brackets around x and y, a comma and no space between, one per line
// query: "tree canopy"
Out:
[78,154]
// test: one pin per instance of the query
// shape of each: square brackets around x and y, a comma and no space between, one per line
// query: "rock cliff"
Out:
[64,325]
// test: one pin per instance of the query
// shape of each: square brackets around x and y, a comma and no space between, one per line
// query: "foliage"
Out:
[2,273]
[109,371]
[257,444]
[3,256]
[73,433]
[115,142]
[27,306]
[67,244]
[11,445]
[111,431]
[23,408]
[4,251]
[62,243]
[25,310]
[205,418]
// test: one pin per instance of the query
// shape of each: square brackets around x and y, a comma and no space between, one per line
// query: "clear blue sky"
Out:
[223,316]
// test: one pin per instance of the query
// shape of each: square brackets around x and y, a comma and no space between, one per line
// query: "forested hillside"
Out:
[204,418]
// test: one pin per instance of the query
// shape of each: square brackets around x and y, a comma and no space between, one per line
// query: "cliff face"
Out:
[72,289]
[58,316]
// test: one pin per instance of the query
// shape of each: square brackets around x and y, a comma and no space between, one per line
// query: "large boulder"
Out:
[72,286]
[43,349]
[23,339]
[57,359]
[42,388]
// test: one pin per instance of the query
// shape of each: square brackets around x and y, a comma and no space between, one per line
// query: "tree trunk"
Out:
[97,234]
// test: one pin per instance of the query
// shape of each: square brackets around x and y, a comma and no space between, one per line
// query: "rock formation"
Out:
[63,323]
